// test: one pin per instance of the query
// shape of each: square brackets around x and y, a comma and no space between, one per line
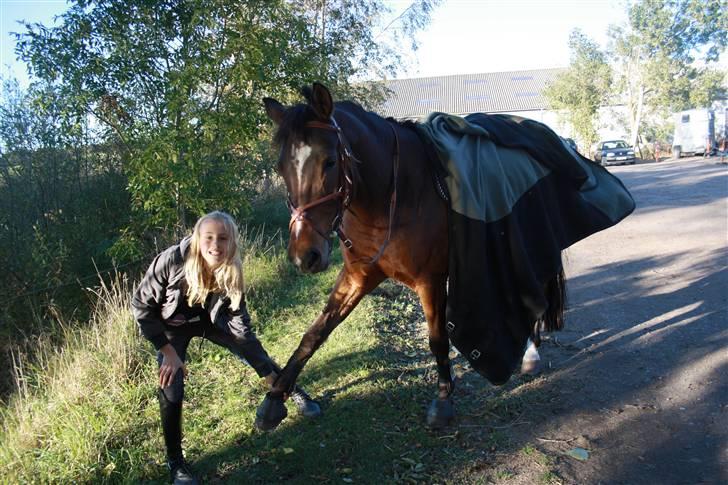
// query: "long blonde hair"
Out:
[226,278]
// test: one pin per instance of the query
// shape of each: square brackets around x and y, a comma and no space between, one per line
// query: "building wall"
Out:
[613,123]
[518,92]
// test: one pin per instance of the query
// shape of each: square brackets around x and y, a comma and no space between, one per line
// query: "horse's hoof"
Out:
[440,413]
[270,413]
[531,367]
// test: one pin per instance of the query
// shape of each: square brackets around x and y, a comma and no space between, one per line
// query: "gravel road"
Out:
[639,377]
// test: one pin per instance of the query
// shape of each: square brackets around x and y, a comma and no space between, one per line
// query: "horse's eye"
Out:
[329,163]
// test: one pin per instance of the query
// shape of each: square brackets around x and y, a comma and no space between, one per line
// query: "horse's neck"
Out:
[373,146]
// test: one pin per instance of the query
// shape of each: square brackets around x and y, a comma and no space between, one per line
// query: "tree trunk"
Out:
[637,118]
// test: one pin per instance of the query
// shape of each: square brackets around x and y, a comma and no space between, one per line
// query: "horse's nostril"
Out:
[311,259]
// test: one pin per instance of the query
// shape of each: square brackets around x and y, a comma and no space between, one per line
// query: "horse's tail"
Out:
[553,317]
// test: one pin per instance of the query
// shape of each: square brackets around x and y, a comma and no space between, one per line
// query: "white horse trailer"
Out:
[693,128]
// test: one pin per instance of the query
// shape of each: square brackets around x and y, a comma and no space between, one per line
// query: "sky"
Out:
[11,11]
[477,36]
[464,37]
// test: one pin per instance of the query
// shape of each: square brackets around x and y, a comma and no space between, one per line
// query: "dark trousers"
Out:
[179,338]
[170,398]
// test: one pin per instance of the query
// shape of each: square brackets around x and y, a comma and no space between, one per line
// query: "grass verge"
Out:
[87,411]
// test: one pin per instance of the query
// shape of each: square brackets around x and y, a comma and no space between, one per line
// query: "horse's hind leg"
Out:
[552,319]
[531,363]
[432,297]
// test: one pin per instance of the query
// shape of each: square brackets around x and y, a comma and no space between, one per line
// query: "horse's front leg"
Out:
[348,291]
[432,296]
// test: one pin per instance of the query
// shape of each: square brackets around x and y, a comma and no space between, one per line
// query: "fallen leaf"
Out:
[579,453]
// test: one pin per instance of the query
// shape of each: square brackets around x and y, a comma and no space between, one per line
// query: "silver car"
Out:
[614,152]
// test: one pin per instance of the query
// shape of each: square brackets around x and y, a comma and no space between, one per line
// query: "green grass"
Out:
[503,475]
[87,411]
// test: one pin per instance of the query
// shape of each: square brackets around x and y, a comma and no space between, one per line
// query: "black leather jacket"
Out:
[158,298]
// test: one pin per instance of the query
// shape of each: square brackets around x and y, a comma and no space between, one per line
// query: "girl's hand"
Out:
[171,363]
[270,380]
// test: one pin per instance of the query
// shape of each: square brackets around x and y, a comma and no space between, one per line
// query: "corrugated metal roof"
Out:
[462,94]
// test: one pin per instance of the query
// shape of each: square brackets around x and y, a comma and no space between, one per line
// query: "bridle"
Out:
[343,193]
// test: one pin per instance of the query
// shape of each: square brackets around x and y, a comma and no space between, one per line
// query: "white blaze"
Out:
[298,225]
[300,155]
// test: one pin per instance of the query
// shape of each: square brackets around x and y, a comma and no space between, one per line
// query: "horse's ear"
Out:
[321,101]
[275,110]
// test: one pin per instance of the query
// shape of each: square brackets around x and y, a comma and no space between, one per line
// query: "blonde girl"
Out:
[196,289]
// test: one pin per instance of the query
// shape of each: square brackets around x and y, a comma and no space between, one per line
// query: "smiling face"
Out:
[214,243]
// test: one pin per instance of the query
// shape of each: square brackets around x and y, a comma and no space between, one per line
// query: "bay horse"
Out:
[369,180]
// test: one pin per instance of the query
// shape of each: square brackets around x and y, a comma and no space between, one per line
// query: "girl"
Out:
[195,289]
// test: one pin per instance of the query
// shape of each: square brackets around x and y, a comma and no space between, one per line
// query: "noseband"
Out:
[343,192]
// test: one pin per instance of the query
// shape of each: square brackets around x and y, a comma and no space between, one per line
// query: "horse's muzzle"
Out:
[311,260]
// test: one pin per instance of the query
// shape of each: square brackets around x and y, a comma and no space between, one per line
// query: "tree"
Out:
[62,201]
[352,46]
[583,88]
[664,52]
[178,84]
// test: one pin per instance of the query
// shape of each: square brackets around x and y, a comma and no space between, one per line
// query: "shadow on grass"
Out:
[633,346]
[373,428]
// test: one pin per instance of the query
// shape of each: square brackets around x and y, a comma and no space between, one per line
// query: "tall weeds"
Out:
[74,401]
[82,411]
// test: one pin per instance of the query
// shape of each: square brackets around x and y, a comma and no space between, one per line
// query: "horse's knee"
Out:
[440,347]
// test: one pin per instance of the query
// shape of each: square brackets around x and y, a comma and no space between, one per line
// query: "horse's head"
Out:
[314,163]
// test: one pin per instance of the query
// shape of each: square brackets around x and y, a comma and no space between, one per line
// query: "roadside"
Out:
[636,386]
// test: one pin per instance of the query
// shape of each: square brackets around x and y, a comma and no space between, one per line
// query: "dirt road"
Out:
[639,377]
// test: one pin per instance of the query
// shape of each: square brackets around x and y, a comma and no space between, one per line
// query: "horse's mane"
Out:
[359,109]
[297,116]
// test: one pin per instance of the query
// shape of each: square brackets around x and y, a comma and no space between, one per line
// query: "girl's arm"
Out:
[253,350]
[147,301]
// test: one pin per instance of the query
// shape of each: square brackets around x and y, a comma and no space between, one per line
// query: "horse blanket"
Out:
[518,196]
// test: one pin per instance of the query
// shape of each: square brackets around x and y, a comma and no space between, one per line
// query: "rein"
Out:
[343,193]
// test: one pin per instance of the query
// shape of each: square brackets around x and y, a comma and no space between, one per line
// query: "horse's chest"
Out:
[409,263]
[416,249]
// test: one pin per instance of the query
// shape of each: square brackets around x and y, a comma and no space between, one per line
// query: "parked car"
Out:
[613,152]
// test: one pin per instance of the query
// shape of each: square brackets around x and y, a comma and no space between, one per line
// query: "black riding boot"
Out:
[179,469]
[306,406]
